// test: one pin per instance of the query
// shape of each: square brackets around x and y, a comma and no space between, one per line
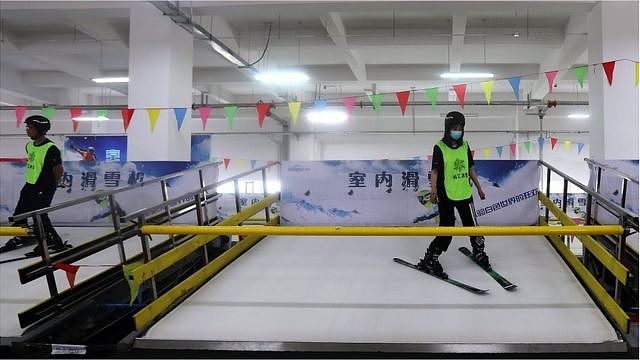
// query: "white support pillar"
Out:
[613,35]
[160,76]
[304,148]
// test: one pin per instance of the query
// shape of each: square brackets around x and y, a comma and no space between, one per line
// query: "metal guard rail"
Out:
[612,169]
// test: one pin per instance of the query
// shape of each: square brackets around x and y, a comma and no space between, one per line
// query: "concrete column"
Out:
[160,75]
[304,147]
[613,35]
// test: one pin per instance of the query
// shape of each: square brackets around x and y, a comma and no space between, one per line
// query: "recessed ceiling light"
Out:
[105,80]
[327,116]
[90,118]
[466,75]
[578,116]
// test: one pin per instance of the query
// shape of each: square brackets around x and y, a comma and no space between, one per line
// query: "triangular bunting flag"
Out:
[179,113]
[541,142]
[580,146]
[263,109]
[153,117]
[70,271]
[527,145]
[580,71]
[204,115]
[294,110]
[49,112]
[550,76]
[554,141]
[348,104]
[127,114]
[20,110]
[608,70]
[230,113]
[127,269]
[403,99]
[487,87]
[240,163]
[74,113]
[487,152]
[512,147]
[567,144]
[102,115]
[432,93]
[515,85]
[499,150]
[253,163]
[460,90]
[376,101]
[226,163]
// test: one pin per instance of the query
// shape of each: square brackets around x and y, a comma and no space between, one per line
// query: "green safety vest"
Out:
[456,171]
[35,161]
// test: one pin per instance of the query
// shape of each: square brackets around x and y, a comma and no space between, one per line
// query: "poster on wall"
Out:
[200,147]
[396,193]
[95,148]
[83,178]
[612,189]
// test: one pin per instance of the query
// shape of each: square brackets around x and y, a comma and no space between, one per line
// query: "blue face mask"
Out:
[456,134]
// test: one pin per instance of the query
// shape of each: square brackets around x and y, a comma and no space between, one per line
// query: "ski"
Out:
[32,255]
[23,257]
[449,280]
[506,284]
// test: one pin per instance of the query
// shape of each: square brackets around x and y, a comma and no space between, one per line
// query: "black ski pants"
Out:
[447,218]
[32,198]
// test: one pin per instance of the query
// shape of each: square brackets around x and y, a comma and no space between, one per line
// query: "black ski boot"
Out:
[53,246]
[481,257]
[17,242]
[431,264]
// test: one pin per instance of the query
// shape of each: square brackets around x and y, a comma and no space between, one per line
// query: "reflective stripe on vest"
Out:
[35,160]
[456,171]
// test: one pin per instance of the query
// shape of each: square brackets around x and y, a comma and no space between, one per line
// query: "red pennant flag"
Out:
[70,270]
[348,104]
[262,108]
[608,70]
[550,76]
[75,112]
[460,90]
[204,115]
[403,99]
[512,147]
[127,114]
[20,110]
[554,141]
[226,162]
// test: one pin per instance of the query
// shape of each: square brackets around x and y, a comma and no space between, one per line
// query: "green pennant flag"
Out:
[101,113]
[580,71]
[133,288]
[48,112]
[376,100]
[527,145]
[432,93]
[230,112]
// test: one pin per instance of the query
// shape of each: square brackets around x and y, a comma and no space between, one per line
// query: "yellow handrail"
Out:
[382,230]
[13,231]
[609,261]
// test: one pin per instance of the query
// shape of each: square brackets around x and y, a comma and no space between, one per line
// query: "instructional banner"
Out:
[396,193]
[83,178]
[611,188]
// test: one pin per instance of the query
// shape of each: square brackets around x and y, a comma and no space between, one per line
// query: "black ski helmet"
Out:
[41,123]
[452,119]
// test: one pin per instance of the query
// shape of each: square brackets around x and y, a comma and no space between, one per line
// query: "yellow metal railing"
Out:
[13,231]
[383,230]
[608,261]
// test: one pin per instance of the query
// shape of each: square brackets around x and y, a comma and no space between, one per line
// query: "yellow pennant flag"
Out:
[240,163]
[133,288]
[153,117]
[487,86]
[487,152]
[294,109]
[637,73]
[567,144]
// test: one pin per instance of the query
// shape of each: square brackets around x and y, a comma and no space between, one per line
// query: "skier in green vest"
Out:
[43,174]
[451,170]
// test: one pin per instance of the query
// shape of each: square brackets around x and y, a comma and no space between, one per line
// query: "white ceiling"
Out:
[53,48]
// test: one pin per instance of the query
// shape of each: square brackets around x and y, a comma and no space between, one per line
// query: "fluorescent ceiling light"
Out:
[110,80]
[327,116]
[225,53]
[578,116]
[466,75]
[282,77]
[90,118]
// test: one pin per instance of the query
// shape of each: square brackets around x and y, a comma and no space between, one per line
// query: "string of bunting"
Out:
[294,107]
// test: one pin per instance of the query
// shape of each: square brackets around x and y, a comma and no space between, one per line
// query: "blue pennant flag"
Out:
[320,104]
[180,112]
[499,149]
[541,142]
[580,146]
[515,85]
[253,163]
